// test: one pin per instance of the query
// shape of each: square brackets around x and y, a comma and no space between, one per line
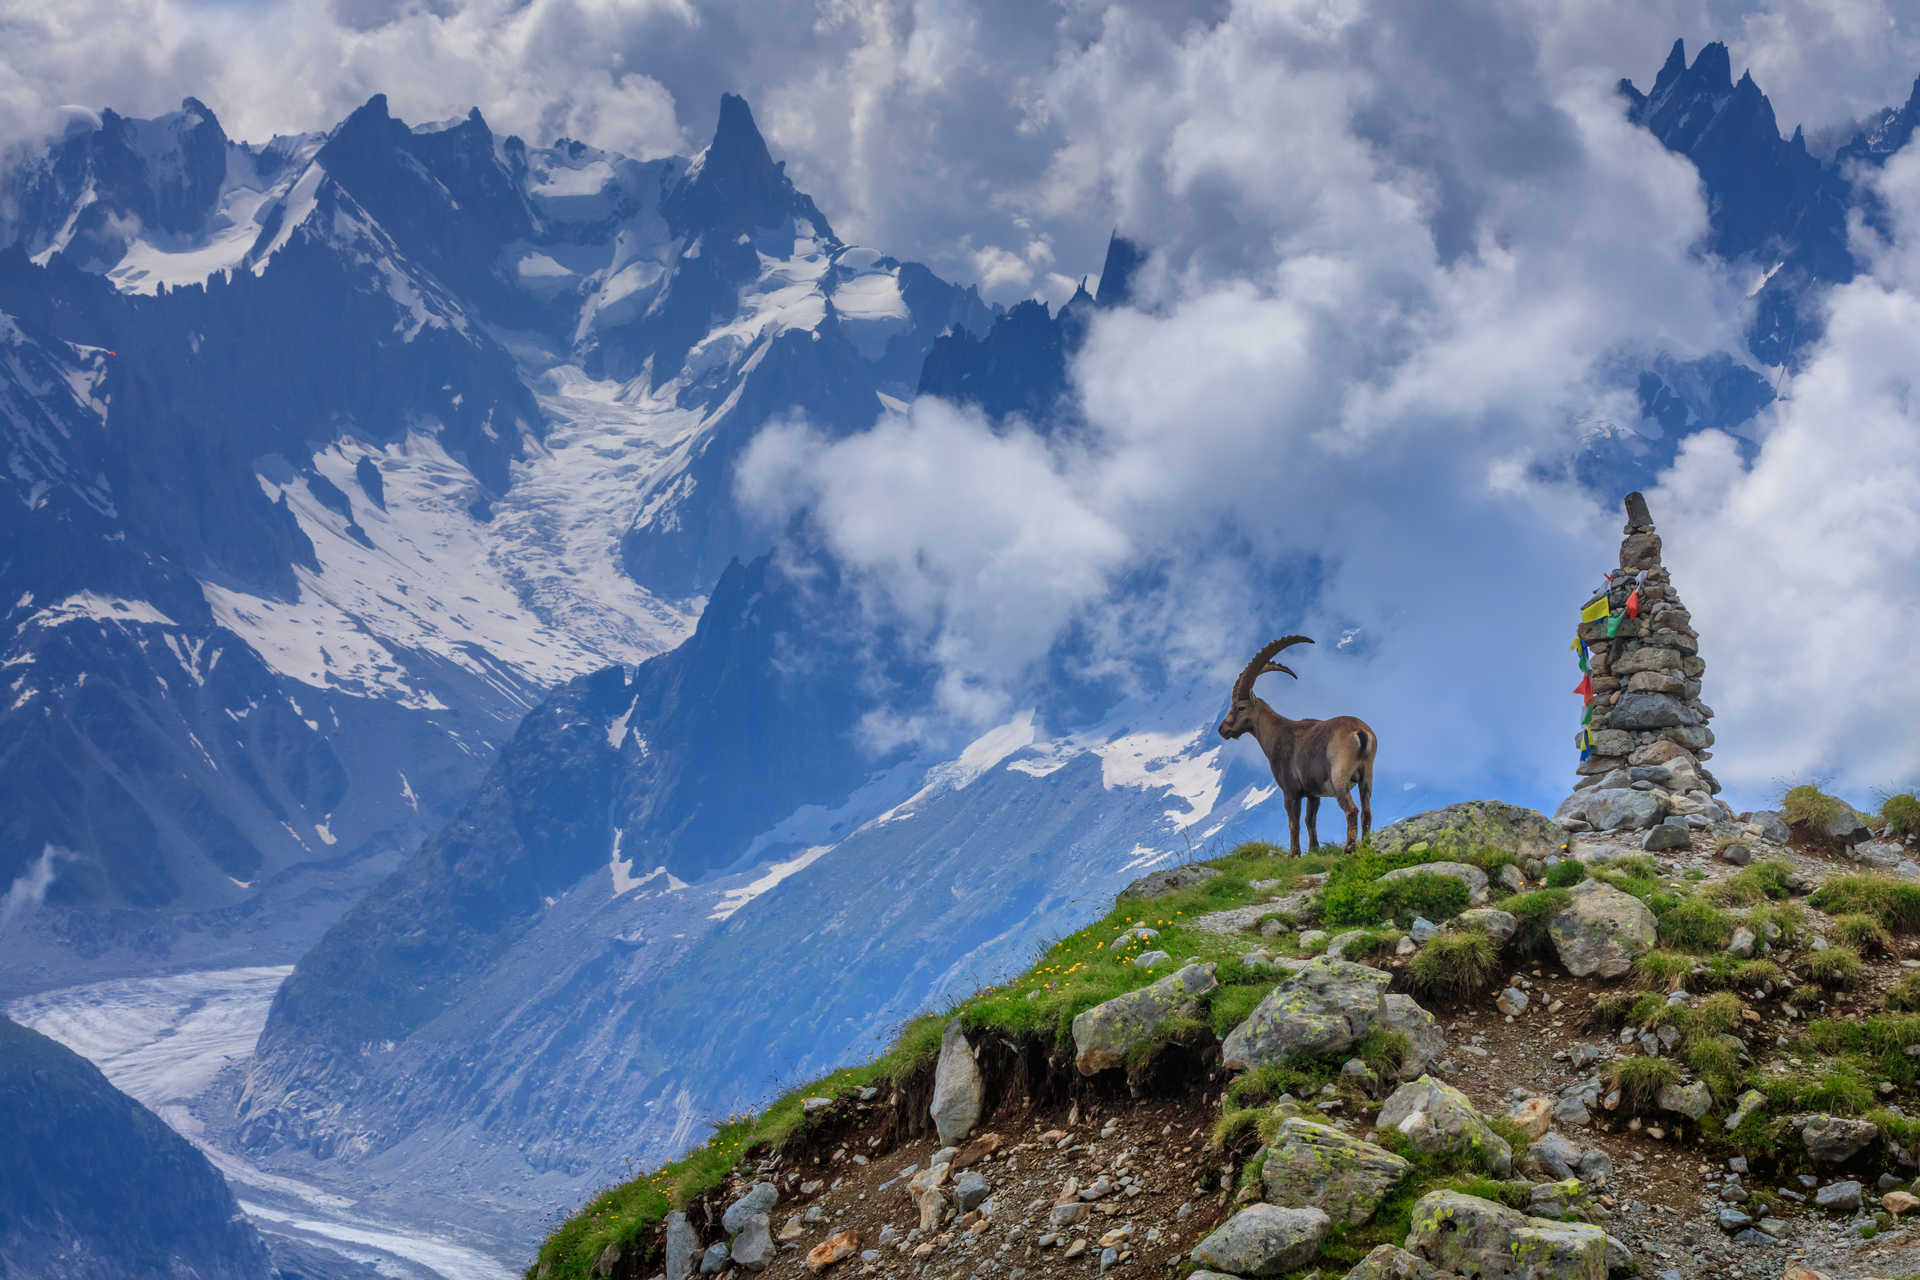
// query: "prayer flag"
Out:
[1613,624]
[1595,611]
[1633,604]
[1585,687]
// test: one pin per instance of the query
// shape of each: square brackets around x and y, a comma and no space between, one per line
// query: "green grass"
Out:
[1758,882]
[1894,903]
[1901,814]
[1370,944]
[1534,910]
[1355,895]
[1788,918]
[1455,966]
[1694,924]
[1836,968]
[1664,970]
[1863,933]
[1808,806]
[1904,996]
[1715,1058]
[1720,1011]
[1565,874]
[1639,1080]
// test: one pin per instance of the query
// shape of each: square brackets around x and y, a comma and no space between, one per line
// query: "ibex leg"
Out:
[1352,810]
[1293,823]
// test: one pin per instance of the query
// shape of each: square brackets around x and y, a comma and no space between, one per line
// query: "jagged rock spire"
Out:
[1648,733]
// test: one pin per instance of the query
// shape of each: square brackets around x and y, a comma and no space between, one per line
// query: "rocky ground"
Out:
[1505,1115]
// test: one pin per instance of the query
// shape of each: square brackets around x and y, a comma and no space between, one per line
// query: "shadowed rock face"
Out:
[95,1187]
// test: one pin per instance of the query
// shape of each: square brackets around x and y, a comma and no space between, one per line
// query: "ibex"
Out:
[1309,758]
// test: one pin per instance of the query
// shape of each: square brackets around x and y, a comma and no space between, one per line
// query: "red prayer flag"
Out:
[1585,687]
[1633,604]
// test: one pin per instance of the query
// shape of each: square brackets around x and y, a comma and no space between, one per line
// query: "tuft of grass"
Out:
[1566,873]
[1663,970]
[1610,1011]
[1535,911]
[1232,1004]
[1756,883]
[1370,944]
[1901,814]
[1355,894]
[1790,918]
[1720,1011]
[1837,1088]
[1694,924]
[1716,1059]
[1640,1079]
[1455,966]
[1836,968]
[1808,806]
[1893,902]
[1863,932]
[1904,995]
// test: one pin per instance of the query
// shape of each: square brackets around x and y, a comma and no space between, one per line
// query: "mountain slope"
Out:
[395,429]
[96,1187]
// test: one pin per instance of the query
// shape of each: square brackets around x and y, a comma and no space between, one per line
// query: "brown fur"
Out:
[1310,759]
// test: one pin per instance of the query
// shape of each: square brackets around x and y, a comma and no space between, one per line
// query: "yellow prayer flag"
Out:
[1595,611]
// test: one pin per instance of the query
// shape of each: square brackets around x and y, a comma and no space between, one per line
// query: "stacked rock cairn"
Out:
[1648,733]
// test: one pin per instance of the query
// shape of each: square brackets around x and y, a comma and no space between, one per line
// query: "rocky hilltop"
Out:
[1483,1047]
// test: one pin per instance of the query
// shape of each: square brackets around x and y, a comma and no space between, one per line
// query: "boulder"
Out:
[1836,1139]
[715,1259]
[757,1202]
[1843,1196]
[1264,1240]
[1391,1262]
[1420,1029]
[1689,1100]
[1563,1201]
[1533,1115]
[1743,1106]
[1622,809]
[1773,826]
[1489,1241]
[835,1248]
[1477,824]
[1740,947]
[1650,711]
[681,1246]
[1842,823]
[1327,1007]
[1665,836]
[1315,1166]
[958,1089]
[752,1247]
[1438,1120]
[1471,877]
[1492,921]
[1107,1034]
[1602,931]
[970,1191]
[1158,884]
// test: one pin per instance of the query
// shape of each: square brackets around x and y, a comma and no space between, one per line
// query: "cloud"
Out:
[29,888]
[1807,563]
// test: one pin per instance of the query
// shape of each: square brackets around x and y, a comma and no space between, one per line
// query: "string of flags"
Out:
[1626,587]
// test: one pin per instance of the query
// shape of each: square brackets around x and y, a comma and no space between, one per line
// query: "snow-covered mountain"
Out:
[328,458]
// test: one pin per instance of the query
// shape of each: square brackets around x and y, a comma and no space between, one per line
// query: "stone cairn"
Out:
[1648,735]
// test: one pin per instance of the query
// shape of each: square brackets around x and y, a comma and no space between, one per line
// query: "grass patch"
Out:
[1760,882]
[1534,911]
[1904,995]
[1639,1080]
[1720,1011]
[1808,806]
[1355,894]
[1455,966]
[1836,968]
[1694,924]
[1715,1058]
[1788,920]
[1664,970]
[1894,903]
[1370,944]
[1863,933]
[1901,814]
[1565,874]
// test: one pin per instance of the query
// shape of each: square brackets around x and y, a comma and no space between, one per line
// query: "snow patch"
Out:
[1160,760]
[734,899]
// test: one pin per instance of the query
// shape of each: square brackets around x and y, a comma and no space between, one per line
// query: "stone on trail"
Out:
[715,1259]
[752,1248]
[1834,1139]
[1741,947]
[958,1089]
[1107,1034]
[1689,1100]
[1438,1120]
[1736,853]
[1489,1241]
[1773,826]
[1264,1240]
[1151,959]
[1315,1166]
[1665,836]
[1602,931]
[1472,877]
[1327,1007]
[1534,1116]
[1843,1196]
[834,1248]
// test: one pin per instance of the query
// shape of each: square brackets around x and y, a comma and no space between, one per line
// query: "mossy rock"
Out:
[1472,826]
[1480,1238]
[1315,1166]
